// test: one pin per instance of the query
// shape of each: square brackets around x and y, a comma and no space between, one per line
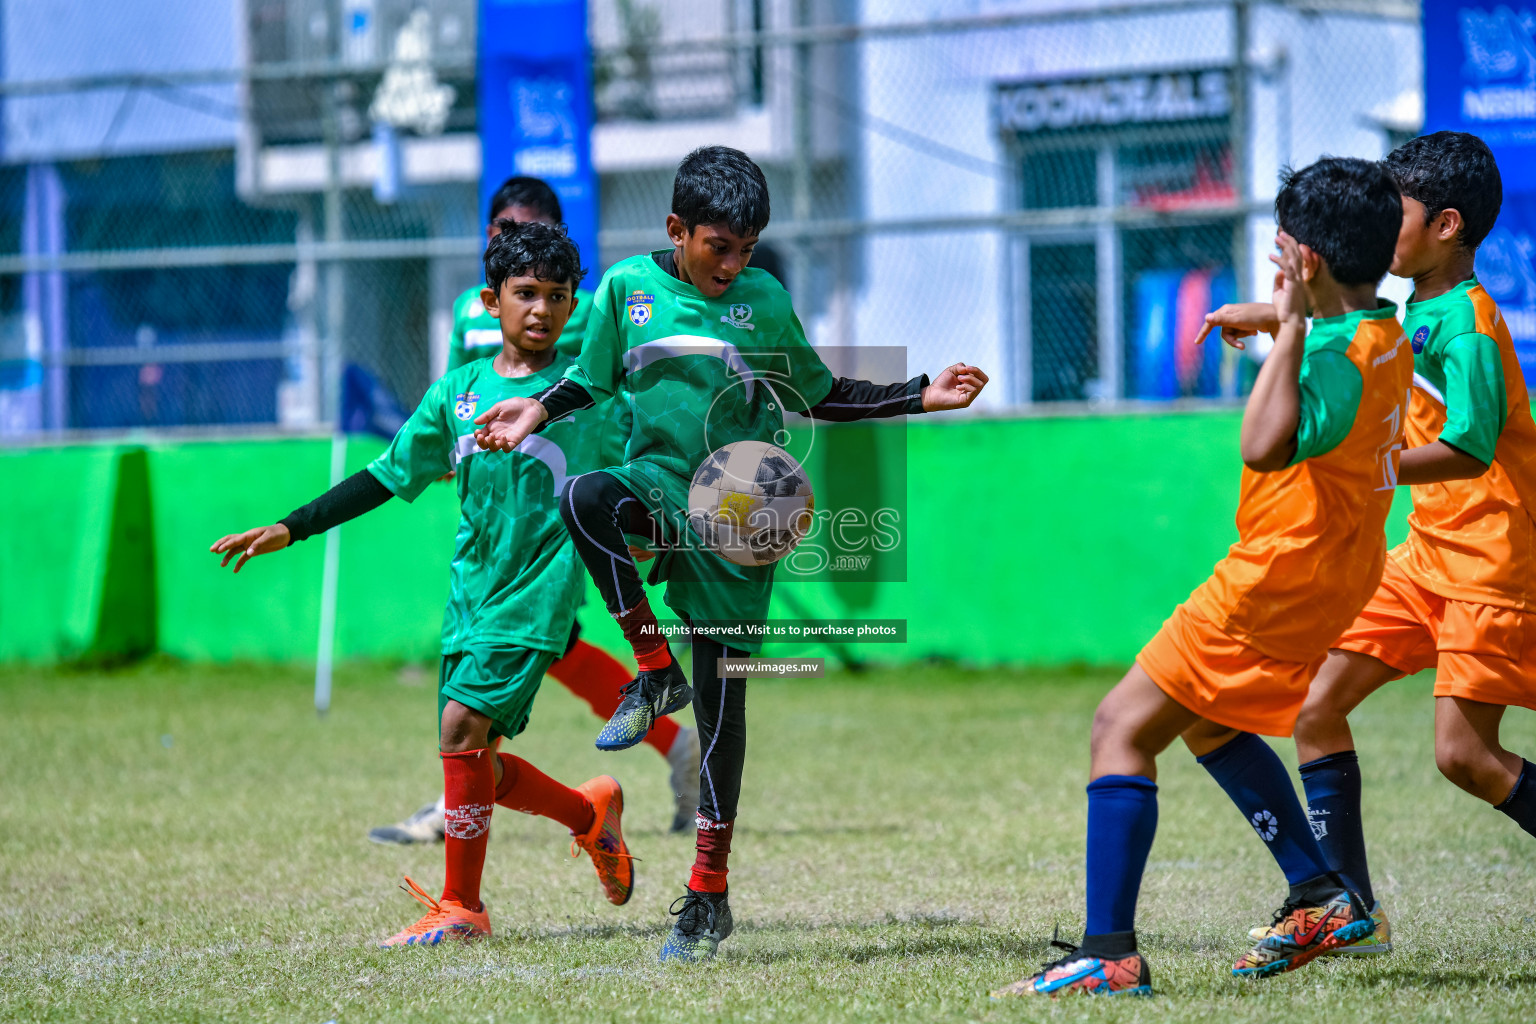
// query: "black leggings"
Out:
[598,510]
[720,708]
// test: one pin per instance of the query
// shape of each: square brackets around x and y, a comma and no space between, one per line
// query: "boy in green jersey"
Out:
[705,351]
[515,579]
[586,670]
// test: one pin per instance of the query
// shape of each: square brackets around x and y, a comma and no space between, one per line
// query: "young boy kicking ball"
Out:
[1319,439]
[706,351]
[515,579]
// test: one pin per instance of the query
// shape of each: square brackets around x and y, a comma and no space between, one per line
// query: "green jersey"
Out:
[515,579]
[1330,384]
[477,334]
[695,373]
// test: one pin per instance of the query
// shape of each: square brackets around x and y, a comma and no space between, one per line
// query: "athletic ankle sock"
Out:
[469,786]
[1122,819]
[1108,945]
[1257,782]
[644,635]
[1317,890]
[1332,784]
[713,846]
[1521,802]
[525,788]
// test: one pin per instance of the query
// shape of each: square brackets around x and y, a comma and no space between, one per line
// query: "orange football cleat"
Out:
[604,841]
[443,921]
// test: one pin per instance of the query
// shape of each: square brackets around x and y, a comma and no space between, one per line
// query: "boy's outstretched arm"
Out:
[361,492]
[1273,414]
[955,388]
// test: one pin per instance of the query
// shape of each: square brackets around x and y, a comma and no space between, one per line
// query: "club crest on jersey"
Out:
[639,305]
[1420,336]
[464,405]
[741,316]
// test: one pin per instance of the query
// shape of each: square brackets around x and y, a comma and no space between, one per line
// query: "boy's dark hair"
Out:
[1348,211]
[720,185]
[1451,171]
[530,192]
[532,248]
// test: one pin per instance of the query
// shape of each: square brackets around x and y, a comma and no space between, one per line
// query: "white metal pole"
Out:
[329,587]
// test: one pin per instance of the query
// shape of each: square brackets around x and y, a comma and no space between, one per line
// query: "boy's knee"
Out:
[462,729]
[1470,768]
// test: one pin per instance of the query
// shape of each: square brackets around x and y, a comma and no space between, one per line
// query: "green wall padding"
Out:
[54,528]
[1029,541]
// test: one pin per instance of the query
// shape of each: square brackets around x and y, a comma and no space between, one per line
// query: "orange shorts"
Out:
[1479,651]
[1224,680]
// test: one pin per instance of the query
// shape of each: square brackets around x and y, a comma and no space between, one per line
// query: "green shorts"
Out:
[498,682]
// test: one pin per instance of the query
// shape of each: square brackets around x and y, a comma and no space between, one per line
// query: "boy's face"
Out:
[1423,246]
[532,312]
[711,255]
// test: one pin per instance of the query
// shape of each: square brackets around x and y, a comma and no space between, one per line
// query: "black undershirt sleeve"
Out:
[862,400]
[561,399]
[361,492]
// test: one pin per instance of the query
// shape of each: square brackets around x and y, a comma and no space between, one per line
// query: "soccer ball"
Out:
[751,503]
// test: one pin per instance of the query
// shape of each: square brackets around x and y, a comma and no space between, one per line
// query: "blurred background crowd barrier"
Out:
[254,215]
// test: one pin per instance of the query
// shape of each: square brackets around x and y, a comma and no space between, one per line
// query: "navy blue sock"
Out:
[1122,819]
[1333,808]
[1519,805]
[1258,783]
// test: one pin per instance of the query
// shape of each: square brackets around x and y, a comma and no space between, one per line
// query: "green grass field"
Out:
[187,843]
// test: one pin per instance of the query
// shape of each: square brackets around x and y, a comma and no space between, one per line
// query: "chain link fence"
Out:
[228,229]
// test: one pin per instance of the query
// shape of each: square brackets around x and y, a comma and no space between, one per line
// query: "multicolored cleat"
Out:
[1377,942]
[703,922]
[1301,934]
[642,700]
[604,841]
[445,920]
[1084,974]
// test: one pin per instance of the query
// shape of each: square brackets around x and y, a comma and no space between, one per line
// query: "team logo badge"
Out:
[741,316]
[639,305]
[1265,825]
[1420,336]
[464,405]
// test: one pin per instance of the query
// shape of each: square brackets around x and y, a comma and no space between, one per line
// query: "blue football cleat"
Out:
[703,922]
[643,699]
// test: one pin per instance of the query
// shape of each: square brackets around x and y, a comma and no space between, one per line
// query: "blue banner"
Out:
[1480,77]
[535,106]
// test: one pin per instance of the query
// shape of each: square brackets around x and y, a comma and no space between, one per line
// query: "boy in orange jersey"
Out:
[1319,438]
[1458,595]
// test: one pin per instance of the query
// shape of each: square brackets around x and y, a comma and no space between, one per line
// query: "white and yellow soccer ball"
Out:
[751,502]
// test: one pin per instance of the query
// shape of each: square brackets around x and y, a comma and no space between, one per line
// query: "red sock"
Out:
[525,788]
[713,844]
[644,636]
[469,783]
[595,676]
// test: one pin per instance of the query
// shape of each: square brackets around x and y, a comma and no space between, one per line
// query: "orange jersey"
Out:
[1310,543]
[1471,540]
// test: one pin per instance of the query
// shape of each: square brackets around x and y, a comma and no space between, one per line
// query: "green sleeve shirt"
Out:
[515,579]
[1460,368]
[1331,386]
